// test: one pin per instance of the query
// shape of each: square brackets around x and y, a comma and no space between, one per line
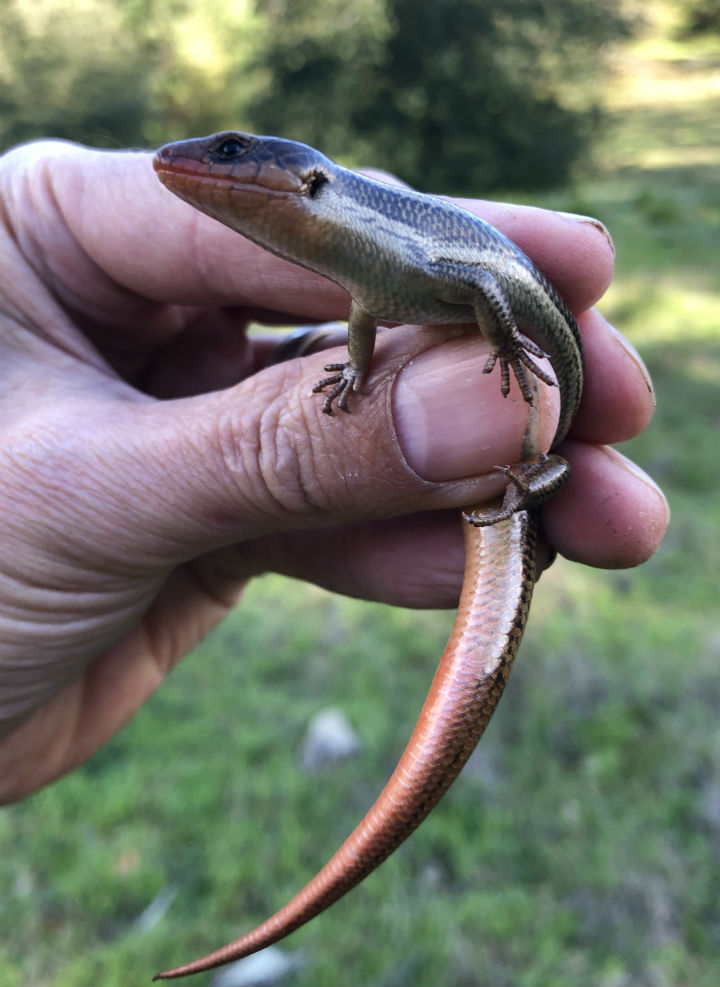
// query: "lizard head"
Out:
[271,190]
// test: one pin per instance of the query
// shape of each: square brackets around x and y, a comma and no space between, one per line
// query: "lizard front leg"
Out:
[478,288]
[362,329]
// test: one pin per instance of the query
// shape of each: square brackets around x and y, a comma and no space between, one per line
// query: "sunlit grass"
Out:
[666,311]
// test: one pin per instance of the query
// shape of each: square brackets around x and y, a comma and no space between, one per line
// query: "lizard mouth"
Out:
[176,169]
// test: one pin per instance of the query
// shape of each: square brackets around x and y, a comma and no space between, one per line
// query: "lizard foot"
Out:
[517,355]
[529,484]
[343,381]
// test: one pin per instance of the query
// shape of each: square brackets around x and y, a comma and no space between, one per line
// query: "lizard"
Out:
[406,257]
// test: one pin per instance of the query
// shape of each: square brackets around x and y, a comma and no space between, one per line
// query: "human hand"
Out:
[131,523]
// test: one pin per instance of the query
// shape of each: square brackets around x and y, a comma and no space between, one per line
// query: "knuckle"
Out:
[272,459]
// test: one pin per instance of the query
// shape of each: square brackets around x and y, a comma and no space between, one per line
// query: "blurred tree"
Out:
[199,55]
[463,95]
[68,72]
[121,72]
[458,95]
[700,17]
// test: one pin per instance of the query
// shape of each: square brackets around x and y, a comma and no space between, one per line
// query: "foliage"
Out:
[700,17]
[453,95]
[119,72]
[459,95]
[69,72]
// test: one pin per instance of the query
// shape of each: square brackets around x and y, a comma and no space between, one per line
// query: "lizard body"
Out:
[405,257]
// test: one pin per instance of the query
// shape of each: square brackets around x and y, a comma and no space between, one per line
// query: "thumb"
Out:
[262,458]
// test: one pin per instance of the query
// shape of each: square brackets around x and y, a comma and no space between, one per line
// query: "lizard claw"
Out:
[343,381]
[518,357]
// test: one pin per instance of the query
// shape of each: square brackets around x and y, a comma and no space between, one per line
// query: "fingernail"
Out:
[450,418]
[630,350]
[639,474]
[590,221]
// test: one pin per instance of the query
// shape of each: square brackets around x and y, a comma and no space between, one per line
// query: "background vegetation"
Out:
[581,844]
[460,94]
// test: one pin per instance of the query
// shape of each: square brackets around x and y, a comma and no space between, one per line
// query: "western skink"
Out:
[412,258]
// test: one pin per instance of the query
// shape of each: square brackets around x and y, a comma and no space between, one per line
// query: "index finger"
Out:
[110,209]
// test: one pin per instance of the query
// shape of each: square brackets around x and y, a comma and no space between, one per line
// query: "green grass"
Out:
[580,845]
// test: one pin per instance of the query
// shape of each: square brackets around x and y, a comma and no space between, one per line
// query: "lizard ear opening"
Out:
[315,183]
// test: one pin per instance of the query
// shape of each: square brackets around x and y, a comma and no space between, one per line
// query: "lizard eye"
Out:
[315,182]
[230,149]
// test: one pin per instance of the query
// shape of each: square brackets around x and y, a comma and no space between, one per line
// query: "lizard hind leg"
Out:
[529,484]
